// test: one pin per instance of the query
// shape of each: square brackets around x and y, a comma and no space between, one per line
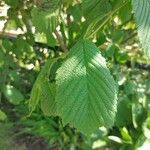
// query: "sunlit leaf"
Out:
[86,94]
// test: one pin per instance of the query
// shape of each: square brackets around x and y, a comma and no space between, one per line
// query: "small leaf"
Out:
[3,116]
[126,136]
[13,95]
[86,95]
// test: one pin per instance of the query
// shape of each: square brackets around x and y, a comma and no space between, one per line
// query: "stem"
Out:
[61,41]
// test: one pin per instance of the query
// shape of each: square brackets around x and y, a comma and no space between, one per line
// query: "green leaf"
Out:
[41,90]
[3,116]
[123,110]
[48,5]
[13,95]
[45,21]
[97,8]
[2,59]
[126,136]
[22,48]
[125,12]
[86,94]
[141,10]
[146,128]
[47,96]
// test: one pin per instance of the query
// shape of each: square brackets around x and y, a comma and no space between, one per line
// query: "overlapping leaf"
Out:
[44,21]
[43,91]
[45,17]
[47,97]
[86,94]
[142,10]
[97,9]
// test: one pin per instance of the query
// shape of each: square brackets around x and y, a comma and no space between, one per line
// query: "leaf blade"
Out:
[41,85]
[141,11]
[77,95]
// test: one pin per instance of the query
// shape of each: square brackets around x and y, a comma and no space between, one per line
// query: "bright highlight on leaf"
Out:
[141,9]
[86,95]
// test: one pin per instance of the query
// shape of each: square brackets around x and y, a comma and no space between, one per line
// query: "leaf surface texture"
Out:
[86,94]
[141,10]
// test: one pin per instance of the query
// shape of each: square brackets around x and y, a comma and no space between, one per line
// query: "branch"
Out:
[138,65]
[130,37]
[13,37]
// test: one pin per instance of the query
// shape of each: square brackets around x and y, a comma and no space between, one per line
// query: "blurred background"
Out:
[31,31]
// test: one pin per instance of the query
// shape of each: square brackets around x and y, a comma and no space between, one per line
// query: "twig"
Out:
[130,37]
[142,66]
[61,41]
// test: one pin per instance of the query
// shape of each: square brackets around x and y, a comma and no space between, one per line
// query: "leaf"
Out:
[46,20]
[13,95]
[126,136]
[48,5]
[47,96]
[125,12]
[22,48]
[3,116]
[146,128]
[97,9]
[41,90]
[2,59]
[86,93]
[123,110]
[141,10]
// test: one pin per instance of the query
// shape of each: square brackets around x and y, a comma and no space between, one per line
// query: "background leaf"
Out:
[13,95]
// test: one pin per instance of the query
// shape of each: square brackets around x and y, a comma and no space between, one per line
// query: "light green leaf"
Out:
[46,18]
[13,95]
[2,59]
[146,128]
[86,95]
[141,10]
[3,116]
[126,136]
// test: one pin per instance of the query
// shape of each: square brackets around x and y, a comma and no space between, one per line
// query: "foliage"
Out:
[86,92]
[73,72]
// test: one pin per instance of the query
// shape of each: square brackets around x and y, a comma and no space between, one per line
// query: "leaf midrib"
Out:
[86,66]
